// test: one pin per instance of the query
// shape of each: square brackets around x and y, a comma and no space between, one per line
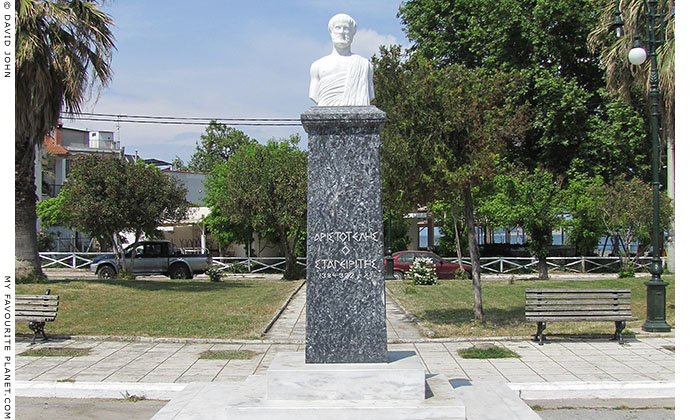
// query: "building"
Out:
[53,162]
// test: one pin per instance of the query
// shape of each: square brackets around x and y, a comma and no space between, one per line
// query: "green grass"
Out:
[234,309]
[447,308]
[56,352]
[227,355]
[491,352]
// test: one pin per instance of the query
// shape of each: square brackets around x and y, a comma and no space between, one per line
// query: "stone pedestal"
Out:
[290,378]
[261,397]
[346,301]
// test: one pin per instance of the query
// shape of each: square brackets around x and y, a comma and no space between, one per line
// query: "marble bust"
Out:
[341,78]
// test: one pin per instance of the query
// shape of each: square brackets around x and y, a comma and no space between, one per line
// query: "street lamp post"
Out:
[656,287]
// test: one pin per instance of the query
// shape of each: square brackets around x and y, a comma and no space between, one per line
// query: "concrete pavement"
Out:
[159,368]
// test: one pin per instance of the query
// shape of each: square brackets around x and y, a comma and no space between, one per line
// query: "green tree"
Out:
[447,126]
[62,48]
[622,77]
[224,229]
[106,196]
[547,41]
[267,190]
[584,201]
[627,215]
[533,200]
[218,144]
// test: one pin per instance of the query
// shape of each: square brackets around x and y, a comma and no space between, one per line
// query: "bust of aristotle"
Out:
[342,78]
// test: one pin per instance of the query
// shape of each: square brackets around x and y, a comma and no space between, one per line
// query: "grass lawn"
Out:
[446,309]
[232,309]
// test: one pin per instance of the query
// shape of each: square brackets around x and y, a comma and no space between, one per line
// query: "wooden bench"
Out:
[37,310]
[544,305]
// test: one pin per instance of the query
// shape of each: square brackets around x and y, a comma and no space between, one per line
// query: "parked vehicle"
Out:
[153,257]
[444,269]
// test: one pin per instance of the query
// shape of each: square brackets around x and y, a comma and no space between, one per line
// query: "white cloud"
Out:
[367,41]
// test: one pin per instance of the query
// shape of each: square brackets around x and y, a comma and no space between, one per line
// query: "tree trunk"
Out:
[27,261]
[474,255]
[543,269]
[292,271]
[458,246]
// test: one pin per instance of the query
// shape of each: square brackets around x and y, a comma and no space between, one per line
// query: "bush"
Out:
[214,274]
[44,240]
[422,272]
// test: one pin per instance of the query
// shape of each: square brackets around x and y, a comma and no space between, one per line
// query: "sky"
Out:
[222,59]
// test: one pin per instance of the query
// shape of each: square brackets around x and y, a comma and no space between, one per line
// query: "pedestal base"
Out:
[250,399]
[290,378]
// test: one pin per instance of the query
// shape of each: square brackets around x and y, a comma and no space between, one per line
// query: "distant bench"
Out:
[37,310]
[544,305]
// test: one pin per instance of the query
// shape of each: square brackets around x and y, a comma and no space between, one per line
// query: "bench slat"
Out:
[577,290]
[619,308]
[36,313]
[30,310]
[575,319]
[579,302]
[39,297]
[573,296]
[578,313]
[36,302]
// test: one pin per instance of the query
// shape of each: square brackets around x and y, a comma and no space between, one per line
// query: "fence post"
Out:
[500,269]
[74,260]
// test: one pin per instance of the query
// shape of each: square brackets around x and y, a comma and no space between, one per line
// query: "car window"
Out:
[407,257]
[153,250]
[138,251]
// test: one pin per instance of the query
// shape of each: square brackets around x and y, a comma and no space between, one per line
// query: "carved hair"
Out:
[342,17]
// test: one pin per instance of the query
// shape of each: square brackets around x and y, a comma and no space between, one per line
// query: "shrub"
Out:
[422,272]
[214,274]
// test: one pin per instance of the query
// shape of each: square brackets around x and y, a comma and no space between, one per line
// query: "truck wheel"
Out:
[106,273]
[179,272]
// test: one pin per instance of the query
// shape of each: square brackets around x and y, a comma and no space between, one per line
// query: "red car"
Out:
[444,269]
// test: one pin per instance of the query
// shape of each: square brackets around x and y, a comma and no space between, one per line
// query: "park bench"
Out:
[37,310]
[548,305]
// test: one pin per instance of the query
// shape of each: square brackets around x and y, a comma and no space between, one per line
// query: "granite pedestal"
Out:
[346,301]
[337,396]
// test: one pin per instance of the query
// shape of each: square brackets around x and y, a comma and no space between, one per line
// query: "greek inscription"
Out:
[348,236]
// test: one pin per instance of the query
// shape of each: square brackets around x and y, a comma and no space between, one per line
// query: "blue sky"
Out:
[222,59]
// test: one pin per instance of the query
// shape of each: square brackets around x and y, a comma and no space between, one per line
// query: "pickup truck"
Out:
[152,257]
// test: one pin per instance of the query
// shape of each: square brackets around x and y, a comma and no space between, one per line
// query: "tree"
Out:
[447,126]
[627,214]
[622,77]
[224,229]
[547,41]
[533,200]
[106,196]
[62,48]
[218,144]
[267,190]
[584,202]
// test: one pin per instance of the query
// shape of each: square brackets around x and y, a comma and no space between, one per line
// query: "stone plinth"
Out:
[346,301]
[290,378]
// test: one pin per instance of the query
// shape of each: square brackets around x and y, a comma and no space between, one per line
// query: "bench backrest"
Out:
[36,308]
[578,304]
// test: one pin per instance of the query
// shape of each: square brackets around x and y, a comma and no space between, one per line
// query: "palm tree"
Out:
[63,48]
[623,77]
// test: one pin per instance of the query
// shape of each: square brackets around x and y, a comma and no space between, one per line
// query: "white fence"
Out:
[493,265]
[507,265]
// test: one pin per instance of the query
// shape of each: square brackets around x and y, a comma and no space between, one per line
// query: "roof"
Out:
[52,147]
[195,215]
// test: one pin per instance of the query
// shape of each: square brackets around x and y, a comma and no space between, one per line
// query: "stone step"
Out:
[247,400]
[492,401]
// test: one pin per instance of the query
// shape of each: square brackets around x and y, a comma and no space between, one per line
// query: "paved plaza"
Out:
[158,368]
